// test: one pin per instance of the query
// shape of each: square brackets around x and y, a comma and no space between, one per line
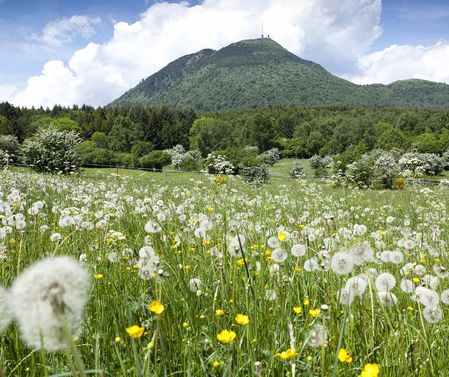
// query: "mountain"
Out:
[260,72]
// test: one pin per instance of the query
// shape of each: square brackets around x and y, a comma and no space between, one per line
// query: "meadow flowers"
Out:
[135,331]
[156,307]
[226,336]
[370,370]
[5,312]
[48,302]
[242,319]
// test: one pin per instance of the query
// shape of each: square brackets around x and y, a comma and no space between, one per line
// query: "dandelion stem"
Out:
[340,341]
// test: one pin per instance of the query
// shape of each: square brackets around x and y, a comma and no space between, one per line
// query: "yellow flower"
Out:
[298,269]
[242,319]
[241,262]
[282,236]
[382,232]
[225,336]
[410,308]
[219,312]
[416,280]
[300,226]
[289,354]
[309,358]
[118,339]
[344,356]
[156,307]
[135,331]
[314,312]
[370,370]
[297,309]
[306,302]
[216,364]
[98,276]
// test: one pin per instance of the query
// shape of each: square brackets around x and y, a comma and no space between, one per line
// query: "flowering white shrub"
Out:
[361,172]
[51,150]
[185,160]
[218,164]
[4,158]
[270,157]
[445,160]
[297,170]
[177,154]
[421,163]
[318,162]
[255,174]
[386,169]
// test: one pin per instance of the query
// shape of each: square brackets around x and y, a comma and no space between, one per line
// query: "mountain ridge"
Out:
[260,72]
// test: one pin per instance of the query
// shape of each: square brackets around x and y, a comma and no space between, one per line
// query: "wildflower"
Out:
[385,282]
[344,356]
[279,255]
[433,314]
[342,263]
[5,312]
[273,242]
[387,299]
[345,296]
[49,297]
[315,313]
[370,370]
[297,309]
[226,336]
[242,319]
[317,336]
[98,276]
[445,296]
[357,285]
[117,339]
[288,354]
[283,236]
[195,285]
[219,312]
[156,307]
[216,364]
[306,302]
[426,296]
[298,250]
[135,331]
[55,237]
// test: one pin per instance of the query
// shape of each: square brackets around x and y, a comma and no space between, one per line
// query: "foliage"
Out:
[10,144]
[270,157]
[155,160]
[420,164]
[256,175]
[219,164]
[297,170]
[51,150]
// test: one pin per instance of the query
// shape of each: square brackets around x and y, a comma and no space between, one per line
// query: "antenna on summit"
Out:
[262,32]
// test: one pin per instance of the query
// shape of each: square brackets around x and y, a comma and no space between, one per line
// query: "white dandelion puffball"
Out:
[427,296]
[357,285]
[317,336]
[195,285]
[432,314]
[385,282]
[279,255]
[273,242]
[5,310]
[345,296]
[445,296]
[298,250]
[407,286]
[342,263]
[46,297]
[387,299]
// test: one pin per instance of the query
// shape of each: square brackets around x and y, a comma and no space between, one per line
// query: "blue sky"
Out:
[35,32]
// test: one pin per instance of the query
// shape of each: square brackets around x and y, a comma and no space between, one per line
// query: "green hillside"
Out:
[260,72]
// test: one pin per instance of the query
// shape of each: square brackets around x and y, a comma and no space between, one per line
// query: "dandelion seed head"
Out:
[342,263]
[385,282]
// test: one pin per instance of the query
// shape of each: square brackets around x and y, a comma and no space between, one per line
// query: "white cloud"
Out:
[62,30]
[405,62]
[334,33]
[7,91]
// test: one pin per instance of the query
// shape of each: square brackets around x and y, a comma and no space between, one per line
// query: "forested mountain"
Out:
[260,72]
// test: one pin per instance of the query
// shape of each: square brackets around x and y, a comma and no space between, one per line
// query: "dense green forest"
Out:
[121,135]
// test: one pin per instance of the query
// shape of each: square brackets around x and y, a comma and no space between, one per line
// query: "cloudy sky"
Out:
[91,51]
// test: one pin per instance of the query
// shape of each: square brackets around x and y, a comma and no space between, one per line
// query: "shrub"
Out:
[386,169]
[239,157]
[155,160]
[219,164]
[421,163]
[10,144]
[191,161]
[361,172]
[141,148]
[270,157]
[125,159]
[444,160]
[51,150]
[297,170]
[4,158]
[317,162]
[255,174]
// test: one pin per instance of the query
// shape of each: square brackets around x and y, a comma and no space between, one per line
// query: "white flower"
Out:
[5,310]
[273,242]
[445,296]
[271,295]
[317,336]
[432,314]
[360,229]
[195,284]
[279,255]
[298,250]
[345,296]
[385,282]
[427,296]
[357,285]
[407,286]
[311,265]
[387,299]
[152,227]
[55,237]
[112,257]
[234,245]
[342,263]
[48,296]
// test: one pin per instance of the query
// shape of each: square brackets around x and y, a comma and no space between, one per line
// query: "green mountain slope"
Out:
[260,72]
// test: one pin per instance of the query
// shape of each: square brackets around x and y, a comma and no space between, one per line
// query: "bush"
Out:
[219,164]
[155,160]
[142,148]
[317,162]
[51,150]
[297,170]
[239,157]
[270,157]
[361,172]
[421,163]
[4,158]
[90,154]
[255,174]
[10,144]
[444,160]
[191,161]
[386,169]
[125,159]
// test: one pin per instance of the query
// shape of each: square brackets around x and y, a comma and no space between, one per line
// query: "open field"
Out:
[294,270]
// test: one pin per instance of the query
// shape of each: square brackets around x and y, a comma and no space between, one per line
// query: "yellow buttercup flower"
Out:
[156,307]
[98,276]
[216,364]
[314,312]
[416,280]
[219,312]
[344,356]
[135,331]
[306,302]
[282,236]
[242,319]
[288,354]
[370,370]
[226,336]
[297,309]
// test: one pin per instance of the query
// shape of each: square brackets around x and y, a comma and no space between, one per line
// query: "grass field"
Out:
[307,279]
